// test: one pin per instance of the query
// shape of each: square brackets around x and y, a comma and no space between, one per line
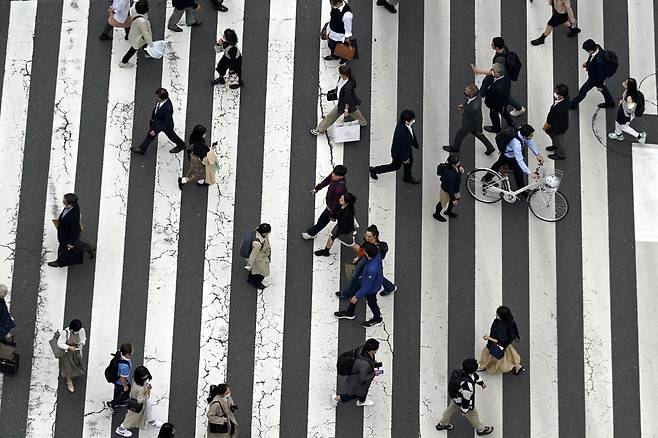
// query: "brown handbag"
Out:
[324,32]
[345,51]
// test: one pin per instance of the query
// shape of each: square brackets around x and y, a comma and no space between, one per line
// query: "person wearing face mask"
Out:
[629,107]
[198,151]
[471,121]
[221,418]
[348,102]
[451,179]
[404,139]
[557,122]
[71,340]
[340,27]
[595,66]
[231,59]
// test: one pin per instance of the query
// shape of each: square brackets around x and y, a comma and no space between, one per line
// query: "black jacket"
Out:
[68,231]
[450,181]
[182,4]
[503,332]
[596,69]
[200,149]
[496,93]
[558,117]
[164,118]
[403,141]
[344,221]
[348,98]
[472,115]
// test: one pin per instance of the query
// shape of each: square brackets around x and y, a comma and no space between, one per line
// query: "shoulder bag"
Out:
[216,427]
[57,352]
[133,405]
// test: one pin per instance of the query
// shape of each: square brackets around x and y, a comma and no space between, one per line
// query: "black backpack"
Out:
[639,105]
[504,137]
[441,168]
[112,370]
[513,65]
[345,362]
[247,239]
[610,63]
[455,383]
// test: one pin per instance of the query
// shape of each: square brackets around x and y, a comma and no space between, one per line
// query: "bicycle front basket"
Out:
[551,181]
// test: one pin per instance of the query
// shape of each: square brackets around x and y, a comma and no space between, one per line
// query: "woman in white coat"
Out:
[72,340]
[138,403]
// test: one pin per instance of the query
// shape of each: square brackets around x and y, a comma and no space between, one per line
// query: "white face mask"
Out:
[556,96]
[411,122]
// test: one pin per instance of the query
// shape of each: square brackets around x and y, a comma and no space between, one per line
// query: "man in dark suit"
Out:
[162,120]
[404,138]
[557,122]
[68,232]
[496,92]
[471,121]
[595,66]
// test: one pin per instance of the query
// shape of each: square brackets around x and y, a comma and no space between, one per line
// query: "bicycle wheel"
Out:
[548,205]
[480,181]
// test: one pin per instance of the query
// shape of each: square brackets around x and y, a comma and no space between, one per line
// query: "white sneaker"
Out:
[333,399]
[642,138]
[368,402]
[307,236]
[126,65]
[153,424]
[613,136]
[123,432]
[516,113]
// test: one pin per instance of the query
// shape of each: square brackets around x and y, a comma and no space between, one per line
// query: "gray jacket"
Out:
[363,371]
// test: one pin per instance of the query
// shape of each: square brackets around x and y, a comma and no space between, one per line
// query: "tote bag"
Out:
[343,132]
[156,49]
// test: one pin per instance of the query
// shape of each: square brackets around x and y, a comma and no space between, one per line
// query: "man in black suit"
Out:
[496,92]
[162,120]
[404,138]
[557,122]
[595,66]
[471,121]
[68,232]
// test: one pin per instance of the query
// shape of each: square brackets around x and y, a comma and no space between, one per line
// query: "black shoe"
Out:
[105,37]
[196,23]
[556,157]
[175,29]
[137,151]
[53,264]
[322,252]
[372,323]
[539,41]
[180,183]
[487,430]
[330,58]
[450,149]
[92,254]
[219,81]
[574,31]
[518,371]
[373,175]
[411,180]
[235,86]
[451,214]
[491,129]
[177,149]
[606,105]
[342,61]
[259,286]
[221,8]
[573,107]
[390,8]
[343,315]
[550,148]
[444,426]
[489,151]
[439,218]
[386,293]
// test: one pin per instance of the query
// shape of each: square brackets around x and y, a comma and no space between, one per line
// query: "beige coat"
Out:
[259,259]
[219,412]
[137,419]
[140,30]
[209,162]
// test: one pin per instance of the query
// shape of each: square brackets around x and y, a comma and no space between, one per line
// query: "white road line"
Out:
[488,226]
[542,332]
[383,100]
[642,49]
[434,263]
[61,180]
[161,302]
[326,275]
[595,253]
[106,302]
[13,122]
[219,233]
[266,404]
[645,158]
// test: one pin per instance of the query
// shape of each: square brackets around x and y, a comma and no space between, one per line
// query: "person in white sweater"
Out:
[140,35]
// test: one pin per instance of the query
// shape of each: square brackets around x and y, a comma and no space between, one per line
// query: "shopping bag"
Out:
[57,352]
[156,49]
[343,132]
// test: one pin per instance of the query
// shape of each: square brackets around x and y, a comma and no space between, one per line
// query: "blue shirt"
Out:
[373,277]
[124,370]
[515,150]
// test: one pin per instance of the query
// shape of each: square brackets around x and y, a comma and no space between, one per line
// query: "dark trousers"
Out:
[558,142]
[519,175]
[372,303]
[63,249]
[355,282]
[225,64]
[322,222]
[514,103]
[109,30]
[495,113]
[130,53]
[588,85]
[347,397]
[169,132]
[120,396]
[255,279]
[461,135]
[217,2]
[394,166]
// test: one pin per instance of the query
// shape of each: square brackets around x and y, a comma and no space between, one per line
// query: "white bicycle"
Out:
[544,199]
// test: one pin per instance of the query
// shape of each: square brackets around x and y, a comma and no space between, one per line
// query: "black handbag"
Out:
[219,428]
[333,94]
[133,405]
[495,350]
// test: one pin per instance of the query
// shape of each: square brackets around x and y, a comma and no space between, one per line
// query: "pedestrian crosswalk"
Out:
[167,276]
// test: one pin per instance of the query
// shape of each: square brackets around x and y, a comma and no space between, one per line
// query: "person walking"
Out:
[496,92]
[389,7]
[449,196]
[258,263]
[211,165]
[364,370]
[138,408]
[513,157]
[595,66]
[562,14]
[348,102]
[162,120]
[167,430]
[72,340]
[7,323]
[628,106]
[123,378]
[461,390]
[140,35]
[118,15]
[471,121]
[339,29]
[221,418]
[197,153]
[219,5]
[557,122]
[231,60]
[345,227]
[371,283]
[404,139]
[498,355]
[68,234]
[336,187]
[503,56]
[181,7]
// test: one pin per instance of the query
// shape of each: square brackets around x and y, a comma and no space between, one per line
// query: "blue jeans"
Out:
[322,222]
[350,289]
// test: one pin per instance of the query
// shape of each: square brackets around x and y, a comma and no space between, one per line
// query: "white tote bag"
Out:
[156,49]
[343,132]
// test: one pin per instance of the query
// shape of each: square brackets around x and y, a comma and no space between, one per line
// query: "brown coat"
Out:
[209,162]
[219,412]
[259,259]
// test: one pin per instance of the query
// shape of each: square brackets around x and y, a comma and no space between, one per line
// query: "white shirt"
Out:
[410,130]
[64,336]
[470,99]
[347,22]
[121,9]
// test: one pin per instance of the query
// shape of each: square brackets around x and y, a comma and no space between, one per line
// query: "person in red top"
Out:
[337,187]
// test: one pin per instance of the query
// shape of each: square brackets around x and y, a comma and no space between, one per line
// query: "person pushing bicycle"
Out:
[511,155]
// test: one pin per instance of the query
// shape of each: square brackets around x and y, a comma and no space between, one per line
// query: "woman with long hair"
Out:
[348,102]
[221,420]
[345,227]
[626,113]
[197,152]
[498,355]
[138,409]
